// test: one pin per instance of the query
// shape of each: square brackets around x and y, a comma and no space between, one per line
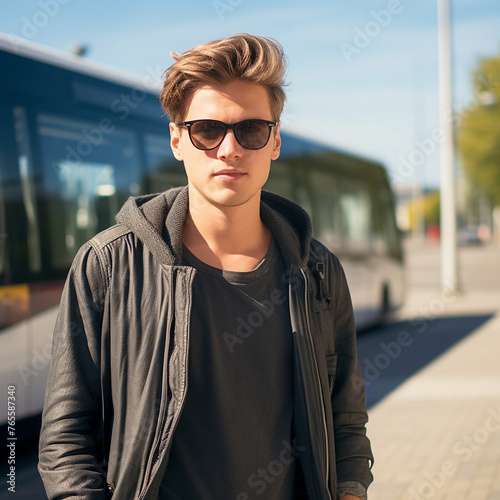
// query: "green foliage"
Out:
[479,131]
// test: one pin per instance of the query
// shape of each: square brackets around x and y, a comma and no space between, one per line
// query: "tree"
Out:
[479,131]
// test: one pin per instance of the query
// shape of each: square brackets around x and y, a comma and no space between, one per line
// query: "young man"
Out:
[205,345]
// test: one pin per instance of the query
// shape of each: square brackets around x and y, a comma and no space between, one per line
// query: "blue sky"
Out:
[363,75]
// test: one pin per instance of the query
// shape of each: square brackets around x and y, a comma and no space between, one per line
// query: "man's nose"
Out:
[229,147]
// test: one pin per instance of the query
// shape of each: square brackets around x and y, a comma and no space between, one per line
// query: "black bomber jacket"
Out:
[118,377]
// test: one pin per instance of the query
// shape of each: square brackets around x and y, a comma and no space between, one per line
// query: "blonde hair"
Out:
[251,58]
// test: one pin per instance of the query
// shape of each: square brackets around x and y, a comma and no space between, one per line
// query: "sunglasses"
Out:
[209,134]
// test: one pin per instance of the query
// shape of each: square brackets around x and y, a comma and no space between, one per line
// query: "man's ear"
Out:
[175,141]
[277,143]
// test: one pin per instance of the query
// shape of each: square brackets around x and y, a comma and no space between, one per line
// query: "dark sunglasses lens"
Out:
[252,134]
[207,134]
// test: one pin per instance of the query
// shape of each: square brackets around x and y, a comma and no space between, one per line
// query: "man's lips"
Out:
[229,174]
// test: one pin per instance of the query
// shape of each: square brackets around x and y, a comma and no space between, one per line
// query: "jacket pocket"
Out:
[331,364]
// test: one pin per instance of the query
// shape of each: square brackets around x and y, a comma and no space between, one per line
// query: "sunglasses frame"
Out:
[227,126]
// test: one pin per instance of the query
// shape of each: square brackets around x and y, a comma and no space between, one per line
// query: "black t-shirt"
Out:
[234,438]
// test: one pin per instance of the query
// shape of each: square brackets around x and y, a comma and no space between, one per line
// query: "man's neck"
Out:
[229,238]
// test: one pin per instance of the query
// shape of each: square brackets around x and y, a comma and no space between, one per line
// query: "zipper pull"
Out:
[323,292]
[320,267]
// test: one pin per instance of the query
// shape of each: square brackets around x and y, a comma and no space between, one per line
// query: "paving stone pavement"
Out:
[437,436]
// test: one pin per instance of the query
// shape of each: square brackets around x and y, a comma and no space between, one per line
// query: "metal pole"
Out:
[449,260]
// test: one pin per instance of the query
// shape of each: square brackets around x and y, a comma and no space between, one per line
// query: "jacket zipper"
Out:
[158,449]
[325,427]
[157,444]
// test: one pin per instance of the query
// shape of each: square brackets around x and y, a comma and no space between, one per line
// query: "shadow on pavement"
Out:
[392,353]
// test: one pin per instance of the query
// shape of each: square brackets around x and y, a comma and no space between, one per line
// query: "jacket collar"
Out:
[157,220]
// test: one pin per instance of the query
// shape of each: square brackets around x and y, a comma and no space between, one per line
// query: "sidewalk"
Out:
[437,436]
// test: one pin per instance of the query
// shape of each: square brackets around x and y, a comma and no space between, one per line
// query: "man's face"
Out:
[229,175]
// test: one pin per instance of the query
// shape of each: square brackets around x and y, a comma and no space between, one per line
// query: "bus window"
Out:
[3,230]
[354,201]
[379,237]
[280,180]
[89,170]
[164,171]
[325,210]
[27,177]
[387,231]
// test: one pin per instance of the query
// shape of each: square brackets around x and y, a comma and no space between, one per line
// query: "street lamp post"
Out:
[449,260]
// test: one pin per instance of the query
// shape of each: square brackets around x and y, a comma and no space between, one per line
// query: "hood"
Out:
[157,220]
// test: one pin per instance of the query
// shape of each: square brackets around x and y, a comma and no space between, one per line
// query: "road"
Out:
[428,323]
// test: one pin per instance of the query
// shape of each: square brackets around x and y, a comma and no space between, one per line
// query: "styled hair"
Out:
[251,58]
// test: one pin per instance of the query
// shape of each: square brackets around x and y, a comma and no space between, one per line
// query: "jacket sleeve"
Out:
[70,454]
[352,448]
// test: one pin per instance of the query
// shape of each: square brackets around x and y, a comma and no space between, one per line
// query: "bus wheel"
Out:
[386,303]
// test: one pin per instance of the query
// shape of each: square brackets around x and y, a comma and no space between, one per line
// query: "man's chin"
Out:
[228,199]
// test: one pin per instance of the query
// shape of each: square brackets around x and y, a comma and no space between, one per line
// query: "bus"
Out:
[78,138]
